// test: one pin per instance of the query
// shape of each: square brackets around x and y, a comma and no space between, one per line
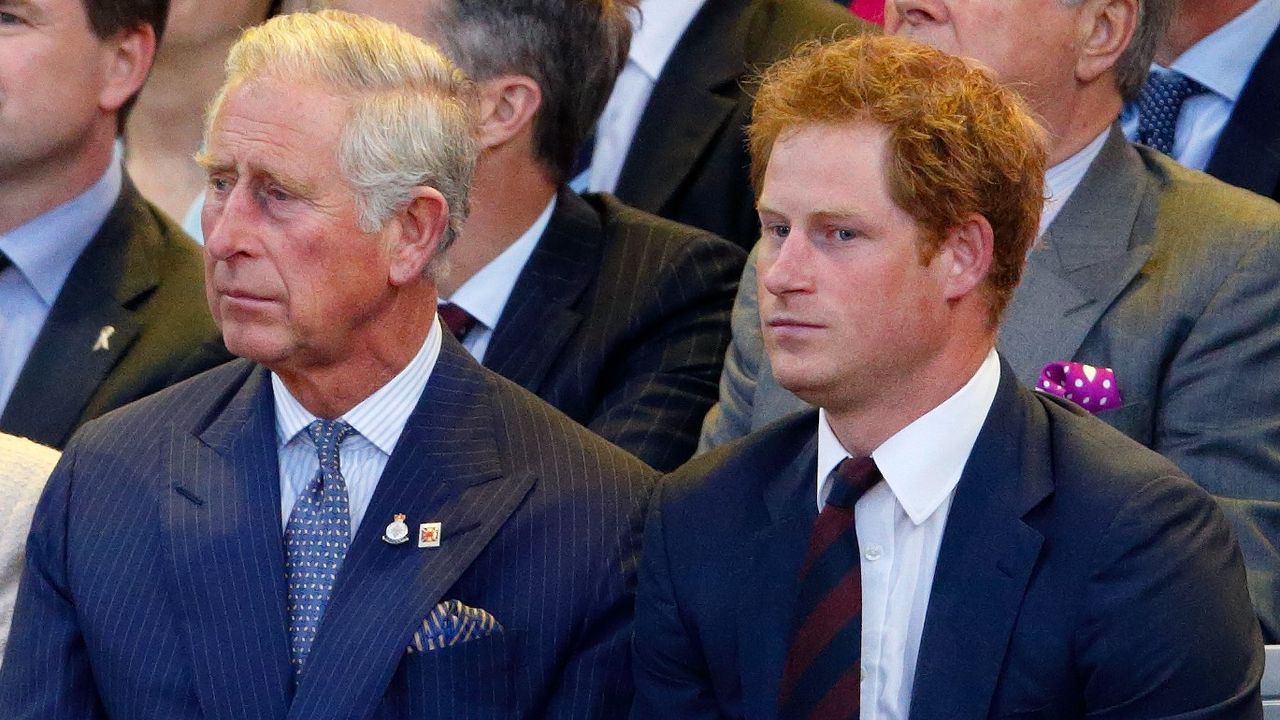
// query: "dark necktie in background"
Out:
[458,321]
[823,675]
[1159,103]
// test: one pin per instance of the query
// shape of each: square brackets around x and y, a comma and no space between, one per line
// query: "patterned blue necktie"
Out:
[316,540]
[1159,104]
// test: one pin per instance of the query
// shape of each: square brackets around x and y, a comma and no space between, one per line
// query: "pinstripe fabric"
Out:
[620,319]
[155,584]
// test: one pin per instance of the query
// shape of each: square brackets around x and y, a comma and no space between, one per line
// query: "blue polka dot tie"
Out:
[316,540]
[1159,104]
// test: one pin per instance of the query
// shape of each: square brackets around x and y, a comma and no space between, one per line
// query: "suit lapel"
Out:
[986,559]
[689,108]
[565,261]
[446,468]
[1248,151]
[1088,255]
[785,517]
[224,534]
[68,361]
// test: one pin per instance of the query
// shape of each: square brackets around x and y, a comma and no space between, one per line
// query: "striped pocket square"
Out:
[451,623]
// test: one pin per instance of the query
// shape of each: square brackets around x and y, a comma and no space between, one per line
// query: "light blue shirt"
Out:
[485,294]
[43,251]
[378,421]
[1222,62]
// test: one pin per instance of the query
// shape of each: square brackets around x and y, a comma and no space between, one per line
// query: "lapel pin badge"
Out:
[429,535]
[104,336]
[397,532]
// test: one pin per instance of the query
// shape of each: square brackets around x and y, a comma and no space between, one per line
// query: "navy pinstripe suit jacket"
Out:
[620,319]
[155,583]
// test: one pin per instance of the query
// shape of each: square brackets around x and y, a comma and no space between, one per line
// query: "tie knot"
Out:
[1159,103]
[327,436]
[851,479]
[458,321]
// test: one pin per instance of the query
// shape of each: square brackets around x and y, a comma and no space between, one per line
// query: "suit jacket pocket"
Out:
[467,681]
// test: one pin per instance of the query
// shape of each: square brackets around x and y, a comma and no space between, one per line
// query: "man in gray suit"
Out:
[1165,275]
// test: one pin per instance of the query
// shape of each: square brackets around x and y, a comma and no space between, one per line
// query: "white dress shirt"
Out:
[484,295]
[43,250]
[1060,181]
[378,421]
[1222,62]
[900,524]
[655,34]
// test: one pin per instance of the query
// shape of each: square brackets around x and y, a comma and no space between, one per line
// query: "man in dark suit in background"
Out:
[101,293]
[1079,573]
[1167,276]
[1212,100]
[671,140]
[357,520]
[631,311]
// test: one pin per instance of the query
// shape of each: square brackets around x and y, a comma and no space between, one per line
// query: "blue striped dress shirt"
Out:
[378,421]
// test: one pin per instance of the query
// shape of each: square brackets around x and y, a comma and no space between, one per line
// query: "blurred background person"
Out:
[24,467]
[1212,100]
[102,295]
[164,129]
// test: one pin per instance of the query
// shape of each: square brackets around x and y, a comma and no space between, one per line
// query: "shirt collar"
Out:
[922,480]
[45,248]
[1223,60]
[379,418]
[485,294]
[656,32]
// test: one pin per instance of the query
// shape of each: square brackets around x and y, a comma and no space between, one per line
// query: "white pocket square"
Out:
[450,623]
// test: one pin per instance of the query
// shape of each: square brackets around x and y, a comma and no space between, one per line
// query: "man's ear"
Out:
[966,254]
[414,235]
[1104,32]
[126,60]
[508,104]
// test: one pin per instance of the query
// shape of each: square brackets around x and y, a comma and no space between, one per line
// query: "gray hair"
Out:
[1134,63]
[411,121]
[573,49]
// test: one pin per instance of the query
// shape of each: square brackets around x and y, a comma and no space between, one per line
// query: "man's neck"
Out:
[28,192]
[1194,21]
[331,389]
[864,428]
[167,125]
[1095,109]
[508,194]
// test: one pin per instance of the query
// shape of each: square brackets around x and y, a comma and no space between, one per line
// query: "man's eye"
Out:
[7,18]
[277,194]
[219,184]
[778,230]
[844,234]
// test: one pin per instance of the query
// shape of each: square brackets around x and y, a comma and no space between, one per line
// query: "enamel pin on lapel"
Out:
[429,535]
[397,532]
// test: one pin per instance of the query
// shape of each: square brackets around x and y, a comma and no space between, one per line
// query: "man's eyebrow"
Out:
[204,159]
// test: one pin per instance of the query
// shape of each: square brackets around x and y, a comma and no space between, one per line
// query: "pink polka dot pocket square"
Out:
[1092,388]
[451,623]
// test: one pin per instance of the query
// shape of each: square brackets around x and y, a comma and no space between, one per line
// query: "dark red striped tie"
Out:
[823,674]
[458,321]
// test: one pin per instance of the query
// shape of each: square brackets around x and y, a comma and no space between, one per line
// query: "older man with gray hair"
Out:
[355,520]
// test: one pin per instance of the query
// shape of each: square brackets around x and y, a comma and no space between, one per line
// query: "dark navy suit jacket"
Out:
[1079,574]
[1248,150]
[155,586]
